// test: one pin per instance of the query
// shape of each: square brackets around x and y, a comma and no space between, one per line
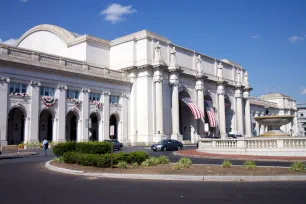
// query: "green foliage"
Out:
[249,164]
[59,159]
[298,166]
[122,165]
[186,162]
[99,160]
[135,165]
[226,164]
[178,166]
[146,163]
[62,148]
[163,160]
[93,147]
[138,157]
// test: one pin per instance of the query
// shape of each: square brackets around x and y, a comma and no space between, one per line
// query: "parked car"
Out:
[165,145]
[116,144]
[235,134]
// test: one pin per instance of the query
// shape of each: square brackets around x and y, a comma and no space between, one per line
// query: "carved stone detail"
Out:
[35,83]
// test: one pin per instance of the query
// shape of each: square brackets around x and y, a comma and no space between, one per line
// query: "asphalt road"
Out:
[26,180]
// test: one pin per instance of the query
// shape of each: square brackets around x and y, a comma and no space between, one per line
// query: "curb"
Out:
[240,159]
[178,177]
[2,157]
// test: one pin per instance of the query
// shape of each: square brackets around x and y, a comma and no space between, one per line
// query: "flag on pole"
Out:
[196,111]
[211,113]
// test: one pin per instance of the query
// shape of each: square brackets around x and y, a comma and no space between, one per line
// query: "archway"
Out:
[71,126]
[15,126]
[113,126]
[94,130]
[228,115]
[186,117]
[210,120]
[45,126]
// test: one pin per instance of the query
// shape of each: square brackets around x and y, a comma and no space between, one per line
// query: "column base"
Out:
[177,136]
[3,143]
[158,137]
[223,135]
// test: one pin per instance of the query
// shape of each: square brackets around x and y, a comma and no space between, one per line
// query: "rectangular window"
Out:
[114,99]
[46,91]
[94,97]
[17,88]
[73,94]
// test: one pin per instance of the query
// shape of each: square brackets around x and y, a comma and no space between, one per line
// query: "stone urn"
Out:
[274,123]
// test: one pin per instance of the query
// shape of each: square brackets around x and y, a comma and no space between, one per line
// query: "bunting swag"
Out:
[48,101]
[196,111]
[211,113]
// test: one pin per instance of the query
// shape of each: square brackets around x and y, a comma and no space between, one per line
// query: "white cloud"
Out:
[115,12]
[295,39]
[24,1]
[11,41]
[1,40]
[303,92]
[255,36]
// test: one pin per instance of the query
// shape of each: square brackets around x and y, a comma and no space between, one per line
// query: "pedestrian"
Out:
[45,146]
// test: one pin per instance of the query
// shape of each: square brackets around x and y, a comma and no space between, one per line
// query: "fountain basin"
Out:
[274,123]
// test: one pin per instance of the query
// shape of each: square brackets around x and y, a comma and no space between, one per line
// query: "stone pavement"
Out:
[196,154]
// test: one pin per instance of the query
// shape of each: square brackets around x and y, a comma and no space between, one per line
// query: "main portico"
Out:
[63,86]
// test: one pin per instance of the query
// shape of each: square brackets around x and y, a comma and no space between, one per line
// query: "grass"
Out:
[249,164]
[122,165]
[226,164]
[298,166]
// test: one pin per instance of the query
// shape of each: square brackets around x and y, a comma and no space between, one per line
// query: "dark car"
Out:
[116,144]
[165,145]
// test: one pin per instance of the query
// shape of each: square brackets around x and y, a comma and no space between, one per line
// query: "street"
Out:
[25,180]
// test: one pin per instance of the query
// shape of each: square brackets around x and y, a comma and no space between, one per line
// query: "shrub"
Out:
[186,162]
[146,163]
[226,164]
[163,160]
[298,166]
[93,147]
[122,165]
[249,164]
[138,157]
[178,166]
[62,148]
[135,165]
[70,157]
[59,159]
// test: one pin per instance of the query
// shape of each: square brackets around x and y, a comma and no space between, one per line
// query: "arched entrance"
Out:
[45,126]
[94,130]
[209,101]
[228,115]
[113,126]
[16,121]
[71,126]
[186,117]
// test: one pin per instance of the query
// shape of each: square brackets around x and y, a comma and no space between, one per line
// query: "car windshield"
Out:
[162,142]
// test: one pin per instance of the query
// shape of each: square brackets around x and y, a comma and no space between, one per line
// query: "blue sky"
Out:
[267,37]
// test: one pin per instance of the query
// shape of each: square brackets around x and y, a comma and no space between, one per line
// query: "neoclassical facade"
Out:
[62,86]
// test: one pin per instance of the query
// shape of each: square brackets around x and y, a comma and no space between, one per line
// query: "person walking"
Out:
[45,146]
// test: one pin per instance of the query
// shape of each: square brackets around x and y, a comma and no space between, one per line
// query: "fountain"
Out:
[274,123]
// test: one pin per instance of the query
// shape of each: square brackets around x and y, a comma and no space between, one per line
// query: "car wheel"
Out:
[154,150]
[179,148]
[165,149]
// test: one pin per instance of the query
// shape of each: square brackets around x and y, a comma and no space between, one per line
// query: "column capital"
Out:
[246,95]
[4,79]
[85,90]
[62,87]
[158,79]
[256,113]
[238,93]
[35,83]
[123,95]
[106,93]
[199,85]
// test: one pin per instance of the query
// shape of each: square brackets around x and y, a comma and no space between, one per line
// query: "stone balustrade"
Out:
[282,146]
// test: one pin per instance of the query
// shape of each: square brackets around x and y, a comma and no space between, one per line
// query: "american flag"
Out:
[211,113]
[196,111]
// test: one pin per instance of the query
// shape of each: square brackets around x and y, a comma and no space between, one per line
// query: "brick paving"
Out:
[195,153]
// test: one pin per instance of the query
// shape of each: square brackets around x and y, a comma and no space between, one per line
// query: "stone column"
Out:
[257,124]
[247,117]
[106,114]
[3,109]
[158,81]
[239,111]
[85,114]
[174,81]
[124,120]
[34,111]
[221,111]
[133,108]
[262,127]
[100,131]
[61,113]
[200,102]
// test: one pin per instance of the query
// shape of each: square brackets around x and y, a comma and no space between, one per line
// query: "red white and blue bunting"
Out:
[97,103]
[76,102]
[18,94]
[48,101]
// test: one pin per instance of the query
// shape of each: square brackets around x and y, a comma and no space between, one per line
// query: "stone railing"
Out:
[24,56]
[282,146]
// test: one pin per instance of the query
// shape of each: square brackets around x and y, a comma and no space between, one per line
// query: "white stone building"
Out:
[62,86]
[301,112]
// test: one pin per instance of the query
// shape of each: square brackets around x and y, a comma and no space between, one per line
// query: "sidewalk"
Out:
[196,154]
[12,155]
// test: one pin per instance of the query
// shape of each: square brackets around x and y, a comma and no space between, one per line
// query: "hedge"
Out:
[103,160]
[82,147]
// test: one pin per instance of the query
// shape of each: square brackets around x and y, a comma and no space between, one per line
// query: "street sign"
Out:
[112,130]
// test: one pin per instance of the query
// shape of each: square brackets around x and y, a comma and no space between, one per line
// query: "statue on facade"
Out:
[238,78]
[199,62]
[173,57]
[157,57]
[220,71]
[246,79]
